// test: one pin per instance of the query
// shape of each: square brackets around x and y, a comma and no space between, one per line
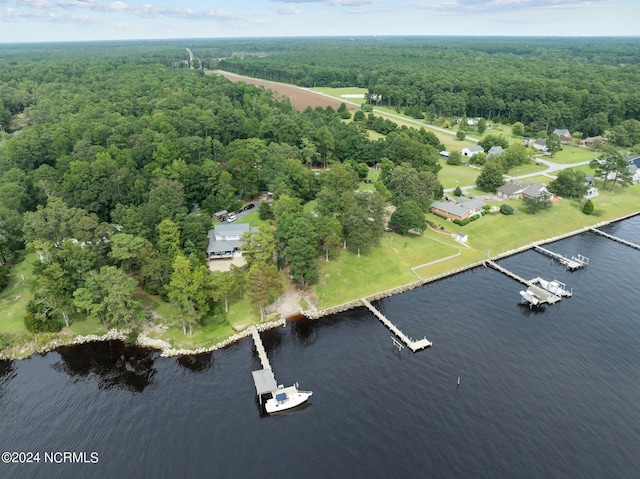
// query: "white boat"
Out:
[286,398]
[530,297]
[555,287]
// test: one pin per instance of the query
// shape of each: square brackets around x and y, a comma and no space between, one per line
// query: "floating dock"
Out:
[615,238]
[534,294]
[411,344]
[576,262]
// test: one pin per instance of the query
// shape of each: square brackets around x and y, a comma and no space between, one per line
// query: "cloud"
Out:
[501,6]
[337,3]
[70,10]
[287,10]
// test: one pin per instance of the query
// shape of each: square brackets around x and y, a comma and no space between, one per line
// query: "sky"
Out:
[83,20]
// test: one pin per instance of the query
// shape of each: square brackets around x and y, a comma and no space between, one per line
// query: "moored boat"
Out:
[286,398]
[555,287]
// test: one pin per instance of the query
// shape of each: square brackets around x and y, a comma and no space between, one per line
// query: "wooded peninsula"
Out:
[144,192]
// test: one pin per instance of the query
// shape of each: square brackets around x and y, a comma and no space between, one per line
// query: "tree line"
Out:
[111,167]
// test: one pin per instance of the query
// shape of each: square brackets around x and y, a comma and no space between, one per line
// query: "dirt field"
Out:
[300,97]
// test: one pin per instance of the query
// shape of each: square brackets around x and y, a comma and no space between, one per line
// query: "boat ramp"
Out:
[411,344]
[615,238]
[576,262]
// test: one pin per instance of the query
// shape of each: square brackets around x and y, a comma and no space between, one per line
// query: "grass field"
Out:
[14,298]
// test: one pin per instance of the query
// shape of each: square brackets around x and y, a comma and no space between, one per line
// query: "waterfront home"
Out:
[515,190]
[225,240]
[464,208]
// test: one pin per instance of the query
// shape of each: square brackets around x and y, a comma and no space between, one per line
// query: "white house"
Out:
[225,240]
[471,150]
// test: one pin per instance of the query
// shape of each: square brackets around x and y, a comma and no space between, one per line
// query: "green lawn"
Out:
[339,92]
[348,277]
[571,154]
[461,175]
[14,298]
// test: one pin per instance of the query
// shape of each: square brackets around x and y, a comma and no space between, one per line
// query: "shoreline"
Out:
[166,349]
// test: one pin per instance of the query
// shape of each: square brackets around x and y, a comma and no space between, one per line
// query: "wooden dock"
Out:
[411,344]
[262,354]
[541,294]
[511,274]
[571,264]
[615,238]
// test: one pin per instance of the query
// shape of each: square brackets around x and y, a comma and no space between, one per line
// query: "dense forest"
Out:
[113,158]
[590,86]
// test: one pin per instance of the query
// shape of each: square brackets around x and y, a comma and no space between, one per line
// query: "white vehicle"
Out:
[231,218]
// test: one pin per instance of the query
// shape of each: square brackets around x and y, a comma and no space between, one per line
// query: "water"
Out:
[553,393]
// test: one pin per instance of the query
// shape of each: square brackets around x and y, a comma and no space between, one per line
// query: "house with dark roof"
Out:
[463,209]
[225,240]
[515,190]
[564,135]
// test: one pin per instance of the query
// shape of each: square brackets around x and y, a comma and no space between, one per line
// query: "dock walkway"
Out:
[262,354]
[572,264]
[615,238]
[411,344]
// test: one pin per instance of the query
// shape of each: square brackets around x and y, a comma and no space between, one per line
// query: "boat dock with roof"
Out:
[576,262]
[411,344]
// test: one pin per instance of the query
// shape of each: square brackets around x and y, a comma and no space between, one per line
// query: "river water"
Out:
[548,393]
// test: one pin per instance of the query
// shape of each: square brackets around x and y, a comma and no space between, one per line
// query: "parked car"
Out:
[231,218]
[249,206]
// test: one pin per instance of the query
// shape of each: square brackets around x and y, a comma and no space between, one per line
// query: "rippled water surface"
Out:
[550,393]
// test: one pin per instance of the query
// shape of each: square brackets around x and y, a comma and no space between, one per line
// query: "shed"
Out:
[220,215]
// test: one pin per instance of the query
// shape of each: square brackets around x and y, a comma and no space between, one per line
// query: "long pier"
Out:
[411,344]
[511,274]
[262,354]
[541,294]
[615,238]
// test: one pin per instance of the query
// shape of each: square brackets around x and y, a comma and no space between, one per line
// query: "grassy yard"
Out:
[14,298]
[347,276]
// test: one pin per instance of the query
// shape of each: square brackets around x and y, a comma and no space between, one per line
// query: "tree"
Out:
[362,219]
[190,290]
[455,158]
[264,284]
[517,129]
[611,165]
[168,239]
[481,126]
[406,217]
[124,248]
[461,135]
[493,140]
[457,191]
[491,177]
[406,183]
[588,208]
[108,295]
[258,246]
[569,183]
[329,232]
[553,144]
[537,203]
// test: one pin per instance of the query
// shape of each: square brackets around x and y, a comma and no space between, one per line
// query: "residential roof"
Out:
[540,141]
[562,132]
[526,188]
[474,149]
[225,238]
[458,209]
[495,150]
